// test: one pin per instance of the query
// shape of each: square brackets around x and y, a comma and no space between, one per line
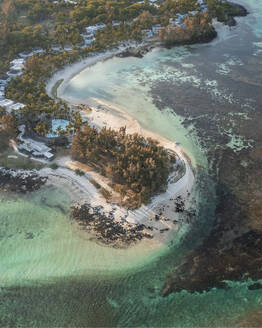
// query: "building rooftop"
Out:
[6,102]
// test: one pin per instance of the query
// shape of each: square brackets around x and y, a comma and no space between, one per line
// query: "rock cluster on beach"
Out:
[106,228]
[20,180]
[138,52]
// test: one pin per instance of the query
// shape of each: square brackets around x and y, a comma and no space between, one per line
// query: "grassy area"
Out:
[79,172]
[55,87]
[18,162]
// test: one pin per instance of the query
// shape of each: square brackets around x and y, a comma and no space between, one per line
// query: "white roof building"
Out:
[17,61]
[115,23]
[25,54]
[38,51]
[17,67]
[36,148]
[3,82]
[16,106]
[14,73]
[67,48]
[93,28]
[6,102]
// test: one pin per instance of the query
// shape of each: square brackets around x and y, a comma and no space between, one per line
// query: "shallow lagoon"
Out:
[39,241]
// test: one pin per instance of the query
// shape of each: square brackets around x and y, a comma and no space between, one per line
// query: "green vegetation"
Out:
[29,89]
[105,193]
[79,172]
[54,166]
[199,29]
[96,184]
[137,167]
[7,129]
[26,24]
[4,141]
[224,11]
[17,161]
[171,7]
[55,87]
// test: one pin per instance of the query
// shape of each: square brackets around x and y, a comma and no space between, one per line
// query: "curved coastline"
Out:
[68,72]
[105,114]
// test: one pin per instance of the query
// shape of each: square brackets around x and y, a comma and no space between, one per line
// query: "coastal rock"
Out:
[236,10]
[232,10]
[20,180]
[255,286]
[138,52]
[179,205]
[106,229]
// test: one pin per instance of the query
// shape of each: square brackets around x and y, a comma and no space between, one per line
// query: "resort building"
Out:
[32,147]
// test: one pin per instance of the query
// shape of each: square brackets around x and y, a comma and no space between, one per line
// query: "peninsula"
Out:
[117,166]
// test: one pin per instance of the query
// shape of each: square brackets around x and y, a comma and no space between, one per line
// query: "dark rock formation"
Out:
[106,229]
[20,180]
[255,286]
[233,10]
[138,52]
[179,205]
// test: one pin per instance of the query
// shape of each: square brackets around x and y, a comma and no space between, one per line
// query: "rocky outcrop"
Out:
[20,180]
[105,228]
[138,52]
[226,11]
[233,10]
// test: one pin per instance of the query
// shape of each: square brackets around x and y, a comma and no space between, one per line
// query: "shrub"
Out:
[79,172]
[107,194]
[96,184]
[54,166]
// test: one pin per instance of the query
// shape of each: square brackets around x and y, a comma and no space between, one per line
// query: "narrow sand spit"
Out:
[81,189]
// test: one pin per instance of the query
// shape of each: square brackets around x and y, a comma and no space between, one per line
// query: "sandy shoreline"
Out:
[67,73]
[81,189]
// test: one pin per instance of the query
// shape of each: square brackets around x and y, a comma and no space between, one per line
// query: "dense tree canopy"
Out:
[138,167]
